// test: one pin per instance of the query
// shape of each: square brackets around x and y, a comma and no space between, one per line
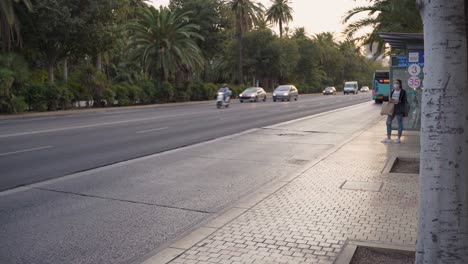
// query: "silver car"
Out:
[253,94]
[365,89]
[285,92]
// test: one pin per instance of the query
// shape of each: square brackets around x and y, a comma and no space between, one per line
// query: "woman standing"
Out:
[398,97]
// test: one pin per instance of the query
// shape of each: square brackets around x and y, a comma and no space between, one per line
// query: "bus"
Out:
[381,86]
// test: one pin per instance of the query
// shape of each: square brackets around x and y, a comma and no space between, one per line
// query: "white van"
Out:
[351,87]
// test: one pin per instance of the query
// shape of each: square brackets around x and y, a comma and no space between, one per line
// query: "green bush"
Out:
[148,91]
[121,94]
[35,97]
[19,104]
[38,77]
[109,96]
[236,89]
[165,93]
[210,91]
[198,92]
[339,87]
[57,97]
[135,93]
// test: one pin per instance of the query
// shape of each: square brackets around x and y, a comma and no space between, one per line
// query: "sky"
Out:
[315,15]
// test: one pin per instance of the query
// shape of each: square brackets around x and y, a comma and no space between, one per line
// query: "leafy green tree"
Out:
[383,16]
[165,42]
[10,34]
[49,30]
[299,33]
[14,74]
[288,61]
[58,29]
[246,13]
[210,16]
[280,13]
[263,56]
[308,71]
[330,58]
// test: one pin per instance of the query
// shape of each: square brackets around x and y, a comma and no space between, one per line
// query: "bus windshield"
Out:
[382,76]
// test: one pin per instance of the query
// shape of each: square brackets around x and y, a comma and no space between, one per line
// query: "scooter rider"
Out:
[226,91]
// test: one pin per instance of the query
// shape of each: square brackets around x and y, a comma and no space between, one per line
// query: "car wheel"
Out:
[274,100]
[264,99]
[256,99]
[241,101]
[295,99]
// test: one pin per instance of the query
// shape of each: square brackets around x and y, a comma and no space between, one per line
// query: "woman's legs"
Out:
[400,125]
[389,126]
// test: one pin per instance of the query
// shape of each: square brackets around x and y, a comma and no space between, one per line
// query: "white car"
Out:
[365,89]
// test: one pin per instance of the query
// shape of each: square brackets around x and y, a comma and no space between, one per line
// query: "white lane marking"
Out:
[152,130]
[25,150]
[97,125]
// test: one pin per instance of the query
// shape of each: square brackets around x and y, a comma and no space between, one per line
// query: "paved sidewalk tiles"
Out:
[347,196]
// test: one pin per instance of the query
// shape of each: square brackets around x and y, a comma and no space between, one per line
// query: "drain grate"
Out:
[405,165]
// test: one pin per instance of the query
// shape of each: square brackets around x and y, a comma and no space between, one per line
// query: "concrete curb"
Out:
[349,249]
[187,240]
[94,110]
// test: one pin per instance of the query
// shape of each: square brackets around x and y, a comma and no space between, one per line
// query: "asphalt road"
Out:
[38,149]
[123,212]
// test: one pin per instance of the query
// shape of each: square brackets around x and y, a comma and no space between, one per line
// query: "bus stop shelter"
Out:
[407,64]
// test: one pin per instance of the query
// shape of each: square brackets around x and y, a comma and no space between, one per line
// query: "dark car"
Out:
[329,91]
[253,94]
[285,93]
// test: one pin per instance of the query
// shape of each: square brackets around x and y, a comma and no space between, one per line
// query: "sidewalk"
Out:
[346,194]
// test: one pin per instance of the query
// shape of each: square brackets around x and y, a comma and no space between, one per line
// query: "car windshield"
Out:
[282,89]
[349,85]
[250,90]
[329,89]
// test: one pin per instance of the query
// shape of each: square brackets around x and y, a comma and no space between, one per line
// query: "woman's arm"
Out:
[403,97]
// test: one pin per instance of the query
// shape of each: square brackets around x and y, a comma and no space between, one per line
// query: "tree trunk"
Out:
[207,72]
[65,70]
[98,62]
[443,208]
[52,55]
[281,28]
[50,72]
[241,59]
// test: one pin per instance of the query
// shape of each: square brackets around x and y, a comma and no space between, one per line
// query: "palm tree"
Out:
[280,13]
[299,33]
[165,42]
[247,14]
[9,23]
[383,16]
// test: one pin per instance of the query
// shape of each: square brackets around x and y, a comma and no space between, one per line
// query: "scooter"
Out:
[220,102]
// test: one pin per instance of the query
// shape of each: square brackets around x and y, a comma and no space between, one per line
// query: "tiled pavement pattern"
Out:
[309,220]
